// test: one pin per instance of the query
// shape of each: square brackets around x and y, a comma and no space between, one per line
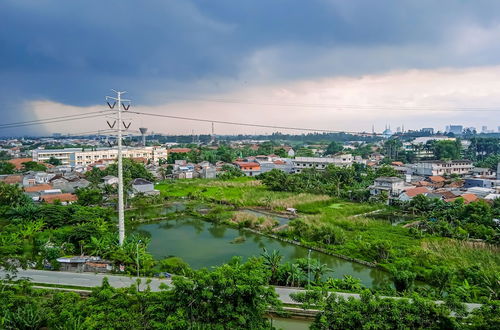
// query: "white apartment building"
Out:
[438,167]
[320,163]
[79,156]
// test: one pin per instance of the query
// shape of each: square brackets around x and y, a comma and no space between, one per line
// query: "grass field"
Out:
[363,233]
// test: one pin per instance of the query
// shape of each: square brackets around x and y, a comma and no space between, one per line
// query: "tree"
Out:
[230,172]
[33,166]
[333,148]
[54,161]
[6,168]
[234,296]
[402,276]
[372,312]
[272,261]
[447,149]
[12,196]
[89,196]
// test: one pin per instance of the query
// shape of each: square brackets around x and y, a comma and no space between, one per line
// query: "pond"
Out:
[203,244]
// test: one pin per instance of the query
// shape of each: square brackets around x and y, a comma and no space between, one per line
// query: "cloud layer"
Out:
[165,50]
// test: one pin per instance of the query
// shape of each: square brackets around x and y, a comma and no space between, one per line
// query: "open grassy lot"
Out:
[241,192]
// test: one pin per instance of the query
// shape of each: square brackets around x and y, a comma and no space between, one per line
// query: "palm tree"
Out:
[272,261]
[296,275]
[318,270]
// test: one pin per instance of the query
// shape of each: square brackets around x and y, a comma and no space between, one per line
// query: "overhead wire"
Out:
[250,124]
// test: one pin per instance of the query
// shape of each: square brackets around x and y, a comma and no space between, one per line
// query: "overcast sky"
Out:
[328,64]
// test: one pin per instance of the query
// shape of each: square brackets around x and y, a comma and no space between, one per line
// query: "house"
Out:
[320,163]
[482,171]
[394,186]
[208,172]
[18,162]
[32,179]
[409,194]
[110,180]
[37,188]
[249,168]
[84,264]
[64,198]
[439,167]
[481,182]
[480,191]
[179,150]
[143,186]
[12,179]
[283,164]
[69,184]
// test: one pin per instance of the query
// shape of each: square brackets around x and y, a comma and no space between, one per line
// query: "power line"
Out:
[52,120]
[249,124]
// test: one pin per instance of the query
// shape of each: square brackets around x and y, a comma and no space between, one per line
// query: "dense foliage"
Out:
[456,219]
[348,182]
[233,296]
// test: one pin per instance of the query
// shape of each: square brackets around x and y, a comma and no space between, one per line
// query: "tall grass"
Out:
[464,253]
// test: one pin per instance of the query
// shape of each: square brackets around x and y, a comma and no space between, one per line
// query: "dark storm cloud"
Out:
[74,51]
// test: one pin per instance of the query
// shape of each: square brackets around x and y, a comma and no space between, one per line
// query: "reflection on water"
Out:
[202,244]
[290,324]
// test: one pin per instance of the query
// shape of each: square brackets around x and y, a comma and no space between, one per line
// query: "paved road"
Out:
[118,281]
[85,279]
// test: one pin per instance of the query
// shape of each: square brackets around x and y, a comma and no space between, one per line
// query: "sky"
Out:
[325,64]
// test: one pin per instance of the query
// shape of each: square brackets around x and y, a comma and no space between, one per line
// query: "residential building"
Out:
[481,182]
[110,180]
[394,186]
[439,167]
[143,186]
[409,194]
[320,163]
[63,198]
[80,156]
[249,168]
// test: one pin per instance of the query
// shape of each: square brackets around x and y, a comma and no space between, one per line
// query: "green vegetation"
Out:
[6,168]
[373,312]
[233,296]
[409,250]
[33,166]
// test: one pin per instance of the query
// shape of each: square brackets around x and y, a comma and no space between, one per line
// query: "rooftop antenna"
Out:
[121,105]
[143,131]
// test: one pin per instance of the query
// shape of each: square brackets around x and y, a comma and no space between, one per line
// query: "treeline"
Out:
[232,296]
[349,182]
[455,219]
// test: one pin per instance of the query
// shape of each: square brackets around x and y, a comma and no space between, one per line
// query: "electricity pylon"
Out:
[118,101]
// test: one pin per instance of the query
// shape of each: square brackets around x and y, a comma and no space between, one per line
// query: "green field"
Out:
[357,232]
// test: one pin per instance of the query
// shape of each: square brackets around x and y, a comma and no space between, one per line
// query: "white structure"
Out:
[392,185]
[142,186]
[319,163]
[438,167]
[79,156]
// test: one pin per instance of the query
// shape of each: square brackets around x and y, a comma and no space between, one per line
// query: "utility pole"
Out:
[309,268]
[118,101]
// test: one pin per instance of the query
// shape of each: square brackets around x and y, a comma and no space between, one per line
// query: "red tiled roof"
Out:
[436,179]
[397,163]
[416,191]
[13,179]
[38,187]
[279,162]
[65,197]
[18,162]
[179,150]
[469,198]
[248,165]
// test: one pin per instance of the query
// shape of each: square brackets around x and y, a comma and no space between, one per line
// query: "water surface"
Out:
[202,244]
